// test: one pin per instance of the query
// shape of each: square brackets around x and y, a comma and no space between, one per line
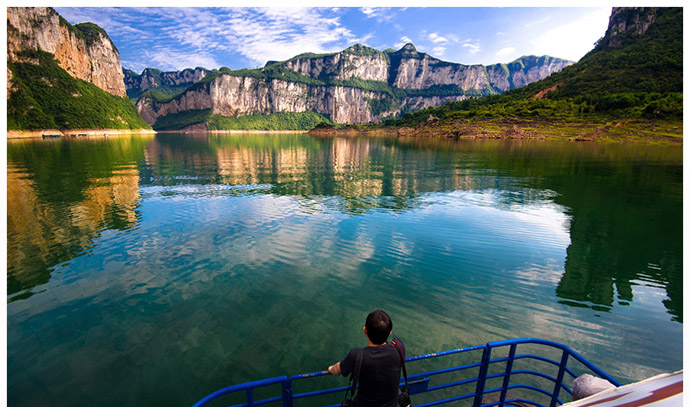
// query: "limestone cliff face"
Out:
[84,51]
[417,70]
[356,61]
[155,79]
[229,95]
[357,85]
[633,20]
[408,68]
[413,104]
[523,71]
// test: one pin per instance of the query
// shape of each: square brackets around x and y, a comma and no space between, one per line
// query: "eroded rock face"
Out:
[634,20]
[230,95]
[153,78]
[354,62]
[40,28]
[406,69]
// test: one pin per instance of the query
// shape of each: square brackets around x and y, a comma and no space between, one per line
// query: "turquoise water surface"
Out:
[152,270]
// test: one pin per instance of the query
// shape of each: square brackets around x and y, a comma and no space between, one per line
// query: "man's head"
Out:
[378,326]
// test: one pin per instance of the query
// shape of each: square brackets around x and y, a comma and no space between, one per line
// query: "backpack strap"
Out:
[396,345]
[354,377]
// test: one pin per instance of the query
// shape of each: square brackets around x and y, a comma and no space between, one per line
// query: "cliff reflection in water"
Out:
[347,174]
[619,197]
[623,202]
[61,195]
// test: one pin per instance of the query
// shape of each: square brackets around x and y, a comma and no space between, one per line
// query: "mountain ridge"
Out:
[63,76]
[374,84]
[628,87]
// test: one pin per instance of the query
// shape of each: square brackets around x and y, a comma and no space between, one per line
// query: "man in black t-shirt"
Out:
[379,377]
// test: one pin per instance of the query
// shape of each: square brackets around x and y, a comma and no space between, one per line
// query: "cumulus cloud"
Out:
[255,34]
[403,40]
[379,13]
[472,47]
[453,37]
[439,51]
[437,39]
[168,59]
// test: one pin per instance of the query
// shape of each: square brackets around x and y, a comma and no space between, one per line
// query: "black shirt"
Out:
[379,378]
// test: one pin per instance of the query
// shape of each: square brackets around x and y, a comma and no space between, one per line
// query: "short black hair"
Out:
[379,326]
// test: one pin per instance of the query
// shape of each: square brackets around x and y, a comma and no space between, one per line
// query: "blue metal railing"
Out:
[421,382]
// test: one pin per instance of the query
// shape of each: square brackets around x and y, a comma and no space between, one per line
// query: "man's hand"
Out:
[334,369]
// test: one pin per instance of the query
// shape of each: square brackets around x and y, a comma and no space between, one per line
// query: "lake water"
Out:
[152,270]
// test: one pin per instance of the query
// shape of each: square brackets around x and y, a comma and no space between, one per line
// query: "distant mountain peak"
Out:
[628,21]
[409,47]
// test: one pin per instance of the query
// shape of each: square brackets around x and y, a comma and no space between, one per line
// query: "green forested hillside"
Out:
[274,121]
[638,77]
[45,96]
[157,86]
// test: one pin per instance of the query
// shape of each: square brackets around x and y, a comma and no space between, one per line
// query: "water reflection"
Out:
[617,198]
[191,237]
[60,197]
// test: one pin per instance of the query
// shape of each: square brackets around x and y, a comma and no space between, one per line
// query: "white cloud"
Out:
[574,39]
[168,59]
[453,37]
[264,34]
[437,39]
[439,51]
[256,34]
[380,13]
[403,40]
[505,51]
[472,48]
[369,11]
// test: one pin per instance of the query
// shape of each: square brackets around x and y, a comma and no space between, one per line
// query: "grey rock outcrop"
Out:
[229,95]
[84,51]
[357,85]
[633,20]
[155,79]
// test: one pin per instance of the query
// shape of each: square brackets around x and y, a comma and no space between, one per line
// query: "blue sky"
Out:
[174,38]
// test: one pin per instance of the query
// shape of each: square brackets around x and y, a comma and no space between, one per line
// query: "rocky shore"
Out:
[666,132]
[49,133]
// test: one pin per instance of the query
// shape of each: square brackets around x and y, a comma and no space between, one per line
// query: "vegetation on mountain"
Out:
[160,89]
[89,32]
[639,77]
[206,118]
[45,96]
[274,121]
[325,71]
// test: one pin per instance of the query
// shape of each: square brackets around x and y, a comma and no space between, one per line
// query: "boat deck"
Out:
[517,371]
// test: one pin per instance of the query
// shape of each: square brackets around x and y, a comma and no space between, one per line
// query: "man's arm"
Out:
[334,369]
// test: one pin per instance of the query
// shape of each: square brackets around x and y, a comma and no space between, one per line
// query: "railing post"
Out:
[250,397]
[287,393]
[483,371]
[509,370]
[559,379]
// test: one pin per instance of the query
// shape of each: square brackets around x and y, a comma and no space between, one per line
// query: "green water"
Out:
[152,270]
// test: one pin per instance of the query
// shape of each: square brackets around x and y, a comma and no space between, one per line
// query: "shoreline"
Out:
[622,131]
[55,133]
[197,131]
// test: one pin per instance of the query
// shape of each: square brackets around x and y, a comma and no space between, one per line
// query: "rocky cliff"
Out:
[169,83]
[63,77]
[357,85]
[633,21]
[83,50]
